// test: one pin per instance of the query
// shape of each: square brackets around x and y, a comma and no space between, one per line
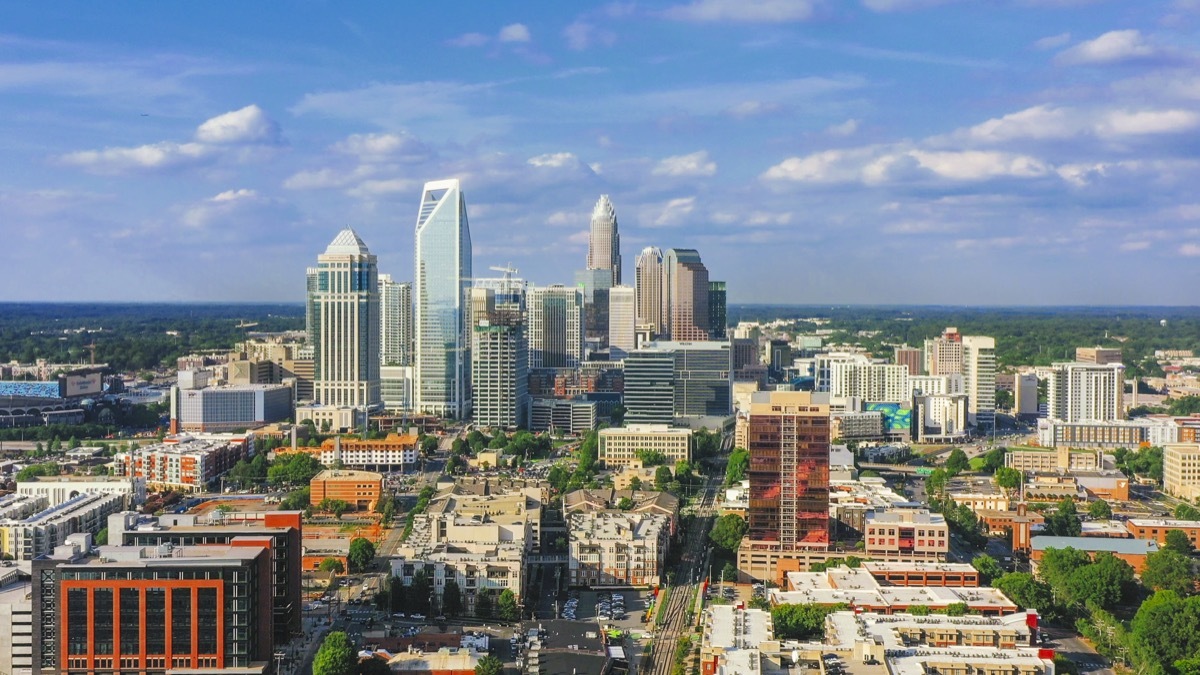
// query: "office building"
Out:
[1100,356]
[154,610]
[362,490]
[25,538]
[1085,392]
[499,366]
[871,589]
[788,440]
[555,327]
[717,310]
[573,416]
[698,383]
[1181,470]
[343,302]
[442,276]
[395,322]
[979,375]
[594,286]
[619,446]
[648,285]
[1025,394]
[604,241]
[649,387]
[685,296]
[396,387]
[745,353]
[185,463]
[910,534]
[910,357]
[1055,460]
[622,321]
[944,354]
[280,530]
[229,408]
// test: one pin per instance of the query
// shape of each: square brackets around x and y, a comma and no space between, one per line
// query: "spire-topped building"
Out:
[343,311]
[604,244]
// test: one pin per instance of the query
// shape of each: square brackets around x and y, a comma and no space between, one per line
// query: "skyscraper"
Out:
[788,441]
[685,296]
[555,327]
[979,374]
[648,285]
[944,355]
[622,321]
[343,303]
[665,381]
[499,363]
[396,322]
[1086,392]
[604,244]
[717,312]
[443,275]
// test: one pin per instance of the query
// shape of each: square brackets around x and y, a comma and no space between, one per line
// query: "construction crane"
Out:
[508,270]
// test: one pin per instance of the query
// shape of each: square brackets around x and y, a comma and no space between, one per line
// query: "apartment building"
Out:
[28,537]
[1052,460]
[362,490]
[396,452]
[615,548]
[184,462]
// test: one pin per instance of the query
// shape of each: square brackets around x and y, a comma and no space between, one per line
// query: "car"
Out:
[439,617]
[417,617]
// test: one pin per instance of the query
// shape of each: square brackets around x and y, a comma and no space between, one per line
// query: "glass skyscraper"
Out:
[343,313]
[443,277]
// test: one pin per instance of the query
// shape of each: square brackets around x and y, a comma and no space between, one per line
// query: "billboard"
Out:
[83,384]
[897,417]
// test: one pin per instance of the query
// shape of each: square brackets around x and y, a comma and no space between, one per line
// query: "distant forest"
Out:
[1024,335]
[133,336]
[149,336]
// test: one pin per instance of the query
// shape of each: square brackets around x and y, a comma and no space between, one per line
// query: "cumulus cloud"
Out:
[673,213]
[970,165]
[247,125]
[234,195]
[1143,122]
[514,32]
[154,156]
[1116,46]
[821,167]
[695,164]
[747,109]
[877,165]
[1190,250]
[221,208]
[900,5]
[469,40]
[554,160]
[383,147]
[1038,122]
[748,11]
[1052,41]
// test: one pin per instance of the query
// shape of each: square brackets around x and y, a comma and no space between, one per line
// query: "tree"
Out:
[398,595]
[728,531]
[651,457]
[635,483]
[729,572]
[988,568]
[1100,510]
[739,463]
[1004,399]
[957,462]
[498,441]
[935,484]
[1064,522]
[919,610]
[956,609]
[506,606]
[1164,630]
[420,592]
[362,552]
[625,504]
[1026,591]
[1009,478]
[373,665]
[1103,582]
[335,506]
[73,443]
[336,656]
[1178,541]
[662,477]
[332,565]
[452,603]
[799,622]
[1169,570]
[489,665]
[294,469]
[483,604]
[297,500]
[429,445]
[101,538]
[993,460]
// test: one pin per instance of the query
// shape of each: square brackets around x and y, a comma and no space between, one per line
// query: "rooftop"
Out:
[858,587]
[1164,522]
[1096,544]
[347,474]
[347,242]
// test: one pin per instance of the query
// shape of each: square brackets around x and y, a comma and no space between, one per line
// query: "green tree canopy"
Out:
[362,552]
[1169,570]
[336,656]
[728,531]
[1100,510]
[489,665]
[625,504]
[1064,522]
[373,665]
[988,568]
[506,606]
[294,469]
[662,477]
[651,457]
[957,462]
[800,622]
[1009,478]
[739,463]
[332,565]
[1178,541]
[1028,592]
[1164,631]
[452,602]
[729,572]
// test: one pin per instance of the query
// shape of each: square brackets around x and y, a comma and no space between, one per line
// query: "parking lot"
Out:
[605,607]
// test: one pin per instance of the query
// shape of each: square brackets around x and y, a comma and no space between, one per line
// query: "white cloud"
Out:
[580,35]
[674,212]
[560,218]
[753,109]
[234,195]
[221,207]
[554,160]
[847,128]
[164,155]
[877,165]
[469,40]
[1052,41]
[695,164]
[325,178]
[580,237]
[968,165]
[1112,47]
[1135,246]
[750,11]
[900,5]
[821,167]
[1190,250]
[1142,122]
[514,32]
[379,147]
[247,125]
[906,227]
[1039,122]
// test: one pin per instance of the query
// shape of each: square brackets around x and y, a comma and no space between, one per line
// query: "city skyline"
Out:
[1036,152]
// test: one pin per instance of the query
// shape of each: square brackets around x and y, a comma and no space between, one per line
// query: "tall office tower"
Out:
[979,375]
[649,396]
[604,244]
[745,353]
[944,355]
[1086,392]
[685,295]
[648,284]
[344,304]
[499,363]
[622,321]
[909,357]
[396,322]
[555,316]
[443,275]
[717,312]
[788,440]
[595,285]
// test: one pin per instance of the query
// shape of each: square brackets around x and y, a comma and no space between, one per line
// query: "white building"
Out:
[940,417]
[230,407]
[855,376]
[443,275]
[396,387]
[614,548]
[622,321]
[1085,392]
[1025,393]
[1181,470]
[59,489]
[604,241]
[619,445]
[16,622]
[555,328]
[939,385]
[395,322]
[38,534]
[979,375]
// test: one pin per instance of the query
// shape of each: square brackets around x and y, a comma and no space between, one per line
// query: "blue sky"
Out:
[882,151]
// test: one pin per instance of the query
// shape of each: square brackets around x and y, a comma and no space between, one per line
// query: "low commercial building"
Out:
[858,426]
[58,489]
[619,446]
[1156,529]
[616,548]
[850,501]
[733,639]
[860,587]
[29,537]
[565,416]
[1132,551]
[1053,459]
[954,575]
[981,501]
[908,534]
[362,490]
[1181,470]
[623,479]
[445,661]
[189,463]
[1153,430]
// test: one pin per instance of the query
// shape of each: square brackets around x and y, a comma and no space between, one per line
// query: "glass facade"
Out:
[789,471]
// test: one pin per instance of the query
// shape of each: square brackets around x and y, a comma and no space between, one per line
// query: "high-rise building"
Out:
[944,355]
[717,312]
[788,441]
[396,322]
[555,315]
[499,363]
[343,302]
[698,384]
[443,275]
[857,377]
[622,321]
[648,285]
[604,244]
[595,286]
[649,387]
[685,296]
[909,357]
[1025,394]
[979,375]
[1085,392]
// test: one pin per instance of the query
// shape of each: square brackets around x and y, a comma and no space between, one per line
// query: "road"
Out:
[688,575]
[1073,647]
